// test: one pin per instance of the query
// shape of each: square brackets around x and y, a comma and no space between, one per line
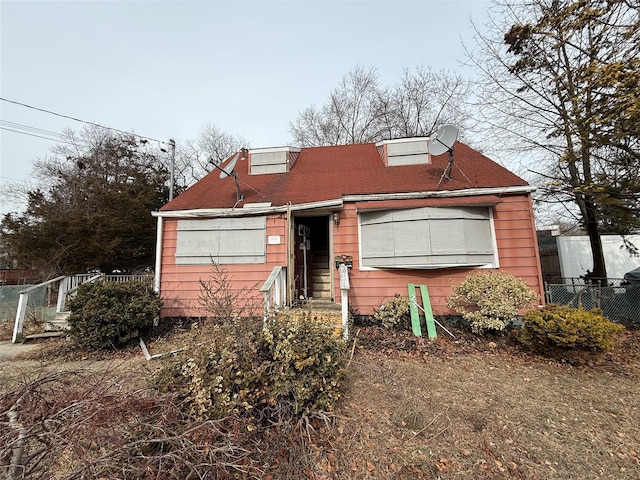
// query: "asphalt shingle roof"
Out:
[327,173]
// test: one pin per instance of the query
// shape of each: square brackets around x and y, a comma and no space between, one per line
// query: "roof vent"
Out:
[272,160]
[404,151]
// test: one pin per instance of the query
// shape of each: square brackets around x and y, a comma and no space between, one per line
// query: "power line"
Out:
[35,135]
[79,120]
[29,128]
[32,131]
[12,179]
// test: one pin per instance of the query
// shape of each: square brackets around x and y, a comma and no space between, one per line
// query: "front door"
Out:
[312,273]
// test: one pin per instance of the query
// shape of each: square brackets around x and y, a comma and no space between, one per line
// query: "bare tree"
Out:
[424,99]
[560,82]
[361,110]
[195,157]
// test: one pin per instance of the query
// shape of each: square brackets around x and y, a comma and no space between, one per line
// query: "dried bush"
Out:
[78,424]
[220,372]
[283,370]
[112,314]
[394,313]
[306,362]
[567,327]
[220,301]
[491,301]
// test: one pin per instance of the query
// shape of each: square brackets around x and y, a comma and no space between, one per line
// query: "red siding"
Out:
[180,284]
[517,252]
[515,237]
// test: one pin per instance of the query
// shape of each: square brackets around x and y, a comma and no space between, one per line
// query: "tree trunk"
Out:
[599,270]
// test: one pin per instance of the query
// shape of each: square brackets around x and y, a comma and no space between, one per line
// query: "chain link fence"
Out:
[9,294]
[42,300]
[618,300]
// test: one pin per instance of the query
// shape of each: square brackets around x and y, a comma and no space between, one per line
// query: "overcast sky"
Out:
[165,69]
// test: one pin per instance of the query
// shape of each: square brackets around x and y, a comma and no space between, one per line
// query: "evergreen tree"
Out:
[93,211]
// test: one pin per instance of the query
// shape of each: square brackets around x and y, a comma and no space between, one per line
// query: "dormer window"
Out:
[272,160]
[404,151]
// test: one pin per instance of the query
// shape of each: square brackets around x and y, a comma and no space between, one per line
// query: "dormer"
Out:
[404,151]
[272,160]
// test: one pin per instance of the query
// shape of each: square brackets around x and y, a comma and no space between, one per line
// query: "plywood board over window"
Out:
[427,238]
[223,240]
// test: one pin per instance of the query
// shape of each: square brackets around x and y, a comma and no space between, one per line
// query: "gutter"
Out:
[241,212]
[470,192]
[338,203]
[156,278]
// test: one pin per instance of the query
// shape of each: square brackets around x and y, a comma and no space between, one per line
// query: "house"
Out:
[400,213]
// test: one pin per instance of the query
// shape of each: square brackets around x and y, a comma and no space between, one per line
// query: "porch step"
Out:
[321,277]
[323,304]
[37,336]
[321,309]
[321,283]
[59,323]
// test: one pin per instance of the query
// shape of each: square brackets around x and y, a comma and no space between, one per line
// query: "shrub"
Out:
[112,315]
[491,301]
[307,362]
[220,301]
[567,327]
[394,313]
[282,369]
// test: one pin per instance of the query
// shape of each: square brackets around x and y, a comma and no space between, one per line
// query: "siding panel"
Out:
[180,284]
[517,253]
[515,238]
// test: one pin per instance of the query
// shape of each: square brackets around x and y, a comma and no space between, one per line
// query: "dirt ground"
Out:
[10,350]
[465,408]
[475,408]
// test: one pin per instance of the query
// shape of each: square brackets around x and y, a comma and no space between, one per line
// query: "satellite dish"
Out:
[442,140]
[228,170]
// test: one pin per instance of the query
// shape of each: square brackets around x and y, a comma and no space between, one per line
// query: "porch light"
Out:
[336,218]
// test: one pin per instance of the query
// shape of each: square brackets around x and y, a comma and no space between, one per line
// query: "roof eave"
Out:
[339,202]
[240,212]
[442,193]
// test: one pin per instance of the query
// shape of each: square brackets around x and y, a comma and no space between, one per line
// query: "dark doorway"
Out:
[312,276]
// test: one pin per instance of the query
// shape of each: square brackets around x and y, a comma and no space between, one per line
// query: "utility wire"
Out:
[28,128]
[9,179]
[32,131]
[35,135]
[79,120]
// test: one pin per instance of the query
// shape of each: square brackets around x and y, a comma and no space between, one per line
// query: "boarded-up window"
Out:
[223,240]
[427,237]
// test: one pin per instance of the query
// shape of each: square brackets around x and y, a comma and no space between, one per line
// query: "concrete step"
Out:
[59,323]
[322,304]
[334,316]
[321,309]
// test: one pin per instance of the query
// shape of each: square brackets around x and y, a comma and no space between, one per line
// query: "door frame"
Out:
[292,252]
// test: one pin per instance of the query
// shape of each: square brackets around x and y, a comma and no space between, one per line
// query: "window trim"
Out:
[494,244]
[252,225]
